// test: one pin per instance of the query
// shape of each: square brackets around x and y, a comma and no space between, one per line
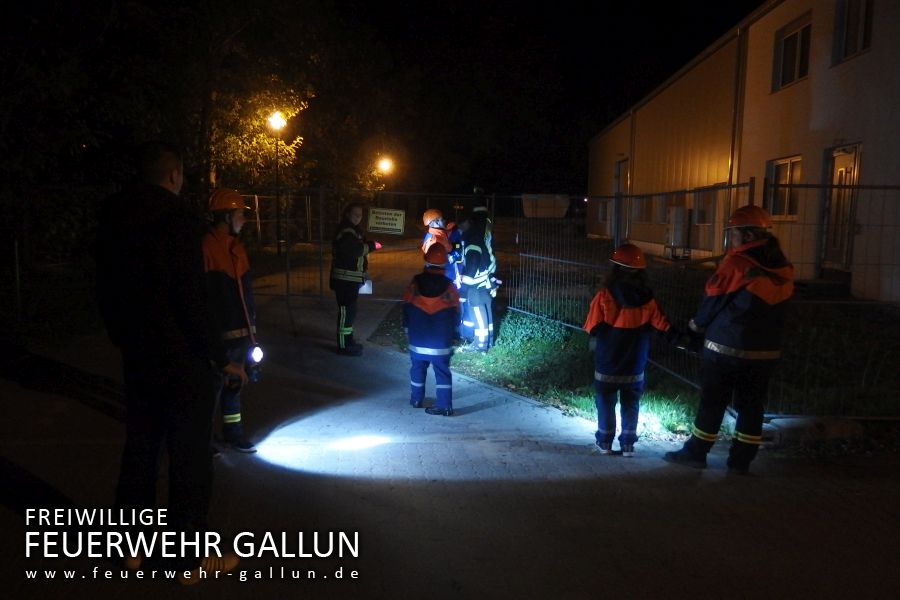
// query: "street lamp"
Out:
[276,124]
[385,165]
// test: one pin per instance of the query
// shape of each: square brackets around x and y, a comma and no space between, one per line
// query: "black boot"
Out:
[689,455]
[740,455]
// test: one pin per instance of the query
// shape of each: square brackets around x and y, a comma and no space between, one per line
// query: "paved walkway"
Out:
[504,500]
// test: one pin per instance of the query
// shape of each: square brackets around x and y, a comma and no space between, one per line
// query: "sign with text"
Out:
[386,220]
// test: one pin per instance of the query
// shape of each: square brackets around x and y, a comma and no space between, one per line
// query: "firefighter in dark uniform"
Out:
[620,319]
[430,317]
[482,221]
[477,327]
[230,292]
[349,262]
[742,320]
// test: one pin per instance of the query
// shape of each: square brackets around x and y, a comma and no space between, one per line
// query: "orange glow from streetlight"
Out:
[277,120]
[385,165]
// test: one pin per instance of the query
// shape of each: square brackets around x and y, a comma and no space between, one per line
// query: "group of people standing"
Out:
[175,296]
[738,330]
[450,300]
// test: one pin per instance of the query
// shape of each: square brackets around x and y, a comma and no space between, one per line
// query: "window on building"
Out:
[704,207]
[642,209]
[603,210]
[666,203]
[660,206]
[852,28]
[784,200]
[792,52]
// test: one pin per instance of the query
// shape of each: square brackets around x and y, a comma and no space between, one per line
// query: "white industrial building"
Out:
[797,109]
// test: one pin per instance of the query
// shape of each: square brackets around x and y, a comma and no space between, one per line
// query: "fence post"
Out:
[322,240]
[617,221]
[287,267]
[18,279]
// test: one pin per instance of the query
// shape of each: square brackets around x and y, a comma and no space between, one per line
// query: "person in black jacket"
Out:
[478,282]
[741,320]
[349,262]
[151,295]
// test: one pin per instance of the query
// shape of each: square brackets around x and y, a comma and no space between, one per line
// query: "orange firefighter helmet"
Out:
[749,216]
[436,256]
[629,255]
[226,199]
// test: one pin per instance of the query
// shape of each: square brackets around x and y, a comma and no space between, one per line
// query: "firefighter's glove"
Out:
[692,325]
[690,343]
[235,373]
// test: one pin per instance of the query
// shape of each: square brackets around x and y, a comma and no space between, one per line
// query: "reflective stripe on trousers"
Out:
[738,353]
[430,351]
[618,378]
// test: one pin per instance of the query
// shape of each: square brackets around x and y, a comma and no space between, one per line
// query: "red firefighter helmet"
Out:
[226,199]
[629,255]
[749,216]
[436,256]
[430,215]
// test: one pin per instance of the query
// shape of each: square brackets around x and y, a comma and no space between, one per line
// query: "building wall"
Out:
[606,150]
[856,101]
[683,133]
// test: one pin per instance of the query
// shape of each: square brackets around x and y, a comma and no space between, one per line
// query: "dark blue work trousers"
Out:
[418,371]
[628,395]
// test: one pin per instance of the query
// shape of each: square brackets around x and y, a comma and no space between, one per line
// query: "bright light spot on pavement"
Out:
[359,442]
[410,445]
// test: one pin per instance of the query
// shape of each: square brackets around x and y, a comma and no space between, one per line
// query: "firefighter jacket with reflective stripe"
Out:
[431,313]
[228,285]
[348,253]
[483,224]
[476,263]
[622,318]
[745,300]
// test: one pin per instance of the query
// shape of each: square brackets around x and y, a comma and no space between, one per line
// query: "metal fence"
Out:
[292,236]
[842,356]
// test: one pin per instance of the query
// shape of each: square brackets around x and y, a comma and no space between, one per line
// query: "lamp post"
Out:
[384,166]
[277,123]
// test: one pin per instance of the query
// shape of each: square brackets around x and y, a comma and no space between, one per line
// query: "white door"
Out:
[839,212]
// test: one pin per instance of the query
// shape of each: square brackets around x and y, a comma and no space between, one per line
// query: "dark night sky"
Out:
[523,87]
[499,93]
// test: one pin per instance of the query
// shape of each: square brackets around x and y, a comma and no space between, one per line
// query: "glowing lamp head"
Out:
[277,120]
[385,165]
[256,354]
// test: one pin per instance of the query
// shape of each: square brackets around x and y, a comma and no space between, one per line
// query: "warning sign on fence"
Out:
[386,220]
